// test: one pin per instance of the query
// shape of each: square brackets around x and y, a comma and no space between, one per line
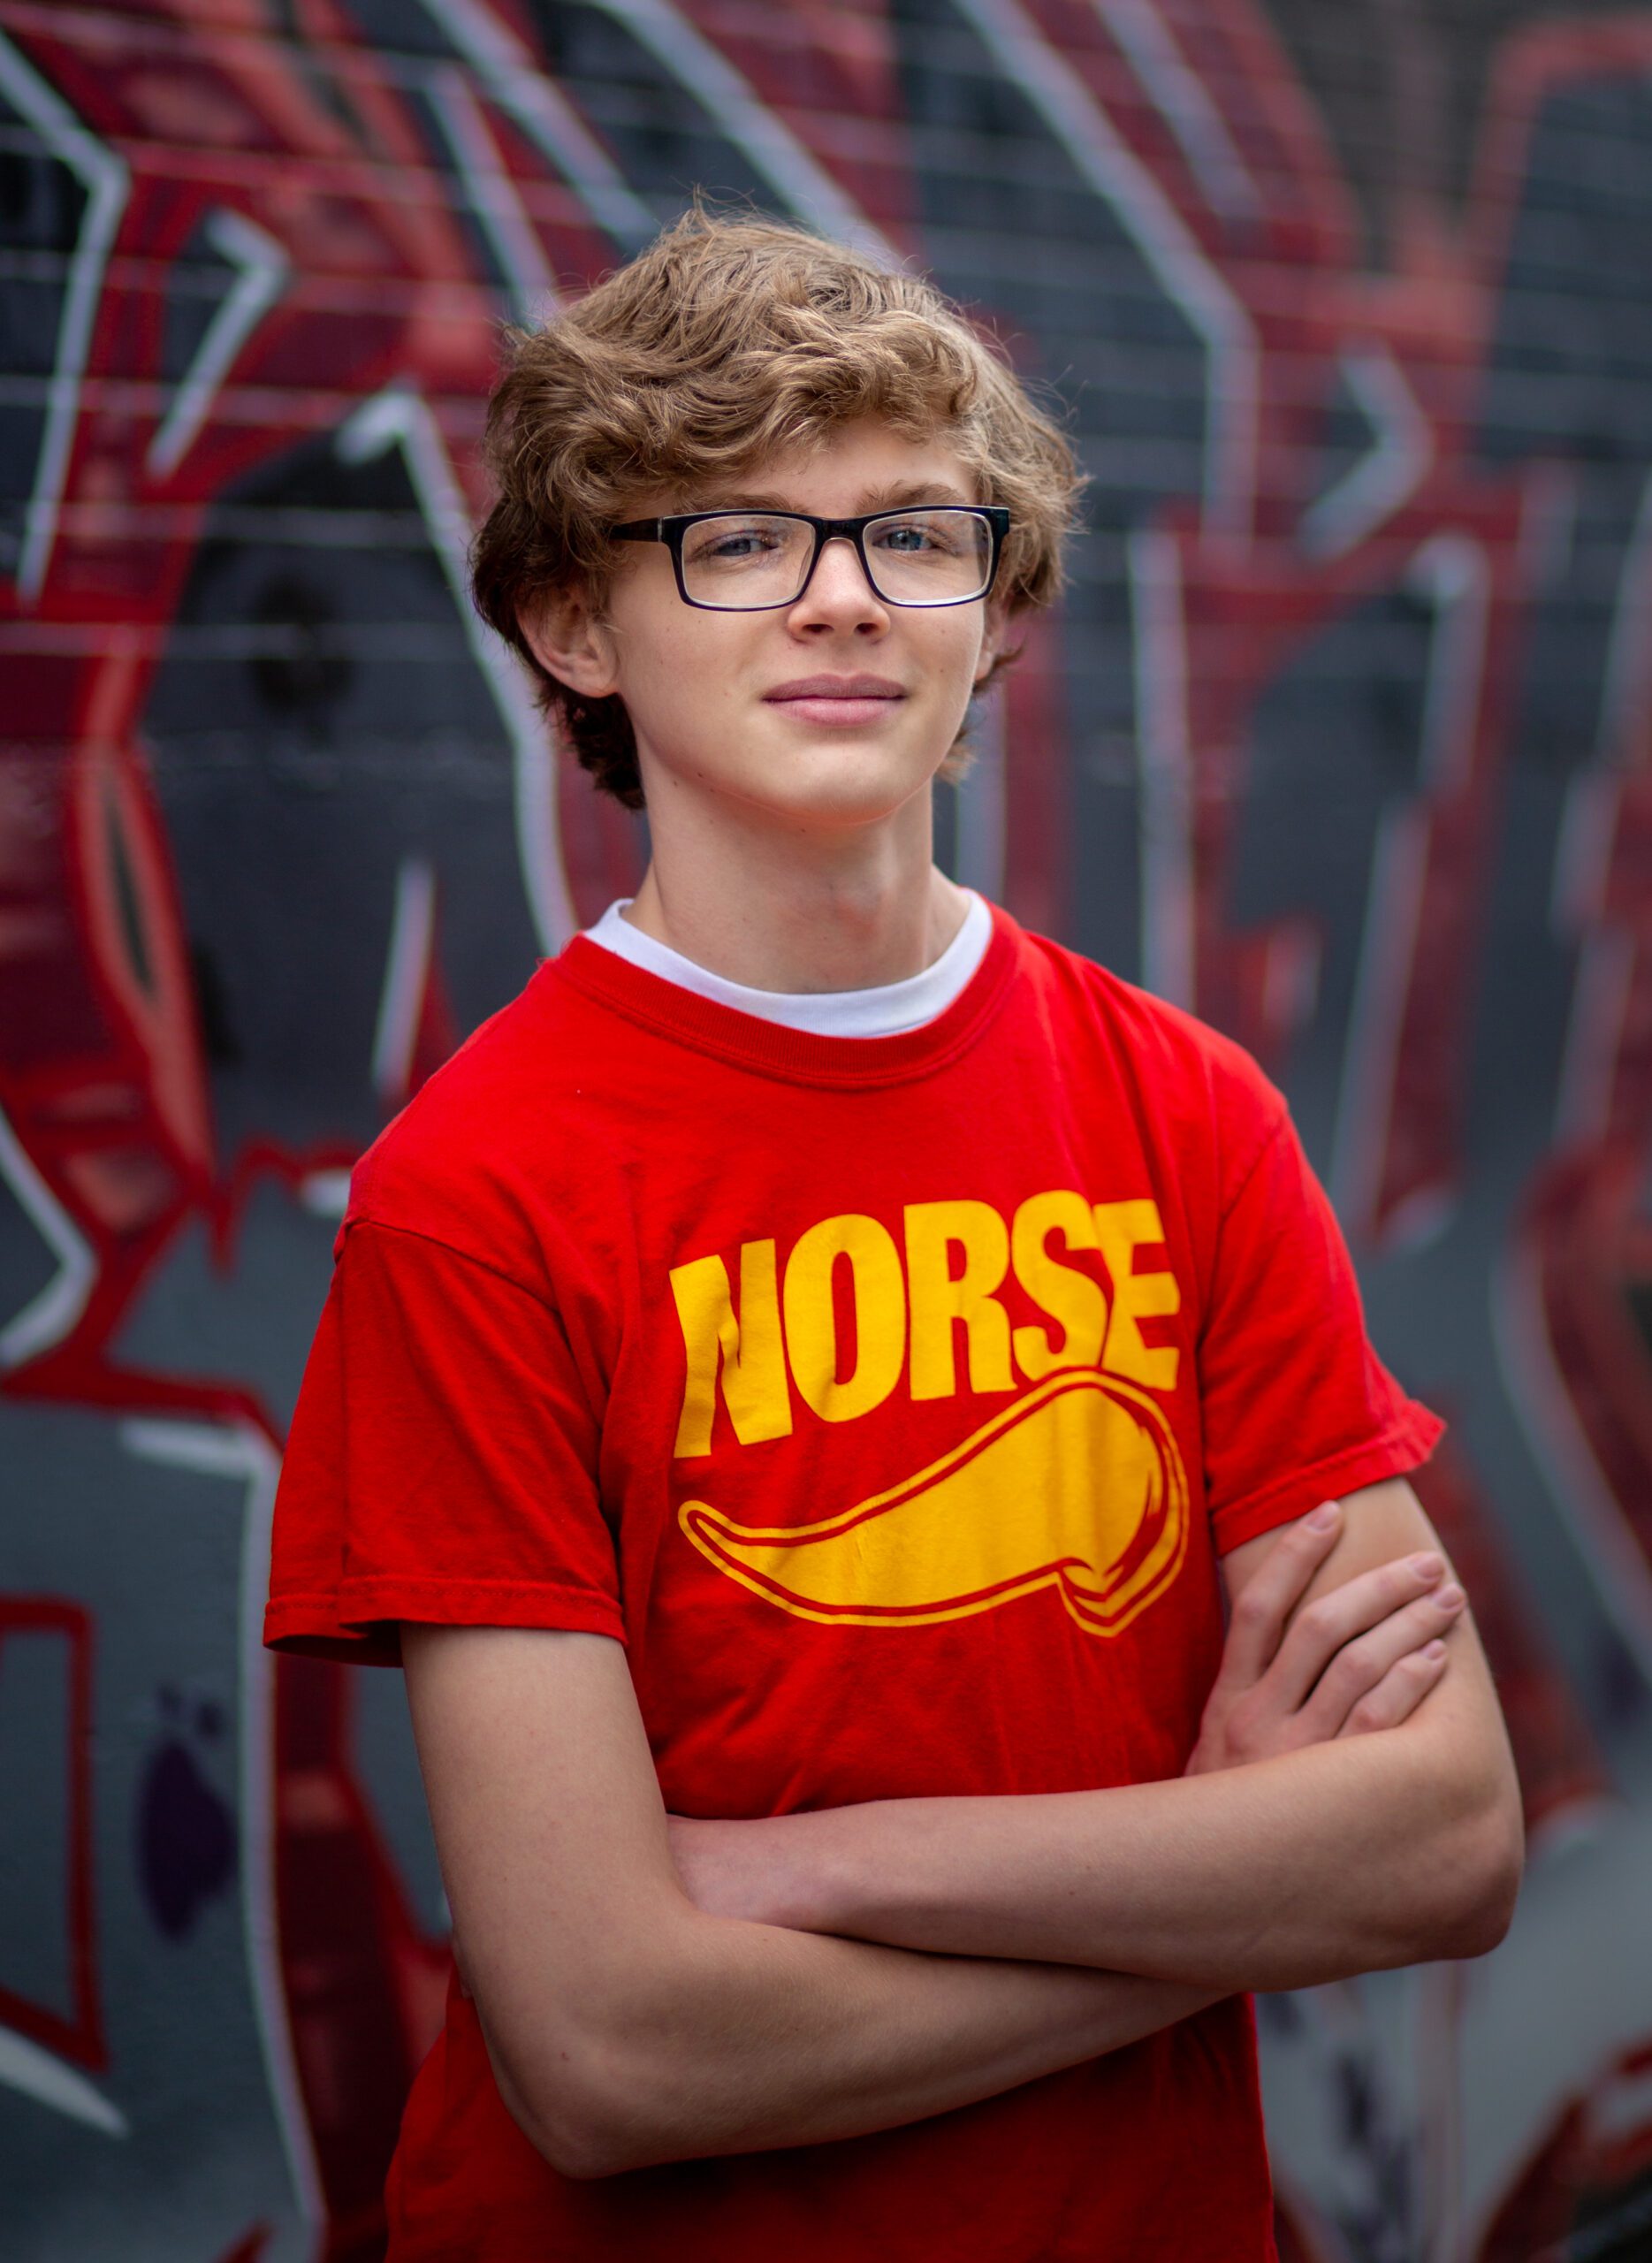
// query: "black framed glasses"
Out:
[756,561]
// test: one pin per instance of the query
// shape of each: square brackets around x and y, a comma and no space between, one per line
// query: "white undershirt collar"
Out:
[883,1011]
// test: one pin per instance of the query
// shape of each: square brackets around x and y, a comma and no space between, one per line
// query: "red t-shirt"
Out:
[892,1399]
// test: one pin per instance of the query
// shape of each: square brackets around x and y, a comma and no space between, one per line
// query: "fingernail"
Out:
[1325,1516]
[1427,1568]
[1434,1650]
[1449,1598]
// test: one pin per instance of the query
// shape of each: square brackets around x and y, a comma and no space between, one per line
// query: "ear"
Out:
[569,637]
[992,641]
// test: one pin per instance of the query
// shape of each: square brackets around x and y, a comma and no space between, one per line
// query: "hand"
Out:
[1359,1657]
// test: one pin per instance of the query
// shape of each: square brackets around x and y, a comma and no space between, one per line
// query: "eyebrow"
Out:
[903,495]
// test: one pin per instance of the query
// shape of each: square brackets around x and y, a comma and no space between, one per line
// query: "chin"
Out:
[840,785]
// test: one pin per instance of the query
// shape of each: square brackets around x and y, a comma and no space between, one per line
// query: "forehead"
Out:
[856,467]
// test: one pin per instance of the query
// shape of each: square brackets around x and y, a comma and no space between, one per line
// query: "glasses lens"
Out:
[936,557]
[746,557]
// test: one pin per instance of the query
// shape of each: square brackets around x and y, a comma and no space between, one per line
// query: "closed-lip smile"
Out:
[837,687]
[834,690]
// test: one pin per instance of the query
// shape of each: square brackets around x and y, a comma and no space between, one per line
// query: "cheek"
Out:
[667,647]
[955,651]
[686,669]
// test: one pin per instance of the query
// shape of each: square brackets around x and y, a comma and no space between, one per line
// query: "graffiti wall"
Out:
[1344,738]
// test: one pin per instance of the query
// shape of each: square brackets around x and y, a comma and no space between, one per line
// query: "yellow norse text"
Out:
[1124,1227]
[908,1303]
[939,1296]
[811,1320]
[1069,1296]
[748,1351]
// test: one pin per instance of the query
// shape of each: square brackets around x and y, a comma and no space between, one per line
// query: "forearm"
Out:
[1346,1857]
[1329,1853]
[737,2037]
[625,2025]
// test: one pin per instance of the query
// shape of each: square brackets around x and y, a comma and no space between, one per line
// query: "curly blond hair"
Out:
[727,340]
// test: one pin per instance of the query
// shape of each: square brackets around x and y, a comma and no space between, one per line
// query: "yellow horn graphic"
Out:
[1077,1486]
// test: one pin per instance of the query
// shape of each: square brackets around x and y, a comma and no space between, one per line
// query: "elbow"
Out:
[567,2126]
[1491,1891]
[577,2116]
[1477,1880]
[595,2100]
[583,2147]
[606,2071]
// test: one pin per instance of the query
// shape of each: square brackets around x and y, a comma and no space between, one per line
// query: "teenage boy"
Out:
[796,1387]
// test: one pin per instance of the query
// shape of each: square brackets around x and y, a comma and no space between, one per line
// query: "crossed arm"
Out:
[652,1989]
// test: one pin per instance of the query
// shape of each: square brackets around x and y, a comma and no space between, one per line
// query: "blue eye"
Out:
[925,538]
[736,542]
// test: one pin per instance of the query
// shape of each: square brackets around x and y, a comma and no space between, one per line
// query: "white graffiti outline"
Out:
[802,184]
[1164,765]
[1603,980]
[1214,310]
[41,2075]
[51,1314]
[514,82]
[264,268]
[1388,946]
[400,418]
[492,194]
[108,183]
[1185,102]
[406,976]
[241,1454]
[1603,990]
[1626,687]
[1452,571]
[1371,489]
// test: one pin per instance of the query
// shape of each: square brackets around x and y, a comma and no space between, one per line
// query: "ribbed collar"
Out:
[798,1056]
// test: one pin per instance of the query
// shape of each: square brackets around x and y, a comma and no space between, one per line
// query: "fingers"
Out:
[1362,1666]
[1399,1692]
[1335,1619]
[1273,1592]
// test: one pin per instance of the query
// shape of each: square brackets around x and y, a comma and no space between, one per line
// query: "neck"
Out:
[798,911]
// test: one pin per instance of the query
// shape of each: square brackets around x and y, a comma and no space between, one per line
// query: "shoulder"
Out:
[1188,1081]
[492,1148]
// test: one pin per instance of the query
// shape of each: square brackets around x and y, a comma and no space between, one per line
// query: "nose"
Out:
[838,594]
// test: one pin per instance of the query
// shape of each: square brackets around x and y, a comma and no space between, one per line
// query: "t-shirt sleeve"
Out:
[1296,1404]
[442,1465]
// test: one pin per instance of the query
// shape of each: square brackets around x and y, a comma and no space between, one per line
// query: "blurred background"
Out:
[1342,739]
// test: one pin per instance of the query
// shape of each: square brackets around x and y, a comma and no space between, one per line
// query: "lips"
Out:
[836,698]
